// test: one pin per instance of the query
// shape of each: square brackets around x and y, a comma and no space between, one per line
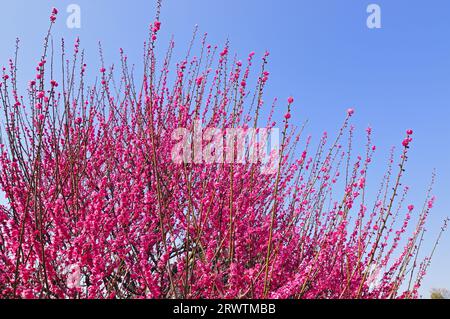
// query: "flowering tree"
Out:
[97,207]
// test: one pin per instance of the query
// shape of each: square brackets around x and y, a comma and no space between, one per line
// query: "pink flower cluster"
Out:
[96,208]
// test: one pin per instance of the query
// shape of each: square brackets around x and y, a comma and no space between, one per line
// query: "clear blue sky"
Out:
[322,53]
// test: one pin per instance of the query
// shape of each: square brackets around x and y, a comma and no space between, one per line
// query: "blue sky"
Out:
[322,53]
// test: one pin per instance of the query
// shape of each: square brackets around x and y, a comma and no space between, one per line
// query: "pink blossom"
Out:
[224,52]
[406,141]
[156,26]
[96,200]
[350,112]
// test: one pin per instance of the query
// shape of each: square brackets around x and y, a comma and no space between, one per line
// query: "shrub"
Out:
[96,207]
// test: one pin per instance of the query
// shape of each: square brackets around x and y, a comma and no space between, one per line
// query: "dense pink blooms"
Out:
[96,207]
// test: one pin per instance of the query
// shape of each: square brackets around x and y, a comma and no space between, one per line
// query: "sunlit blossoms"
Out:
[95,207]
